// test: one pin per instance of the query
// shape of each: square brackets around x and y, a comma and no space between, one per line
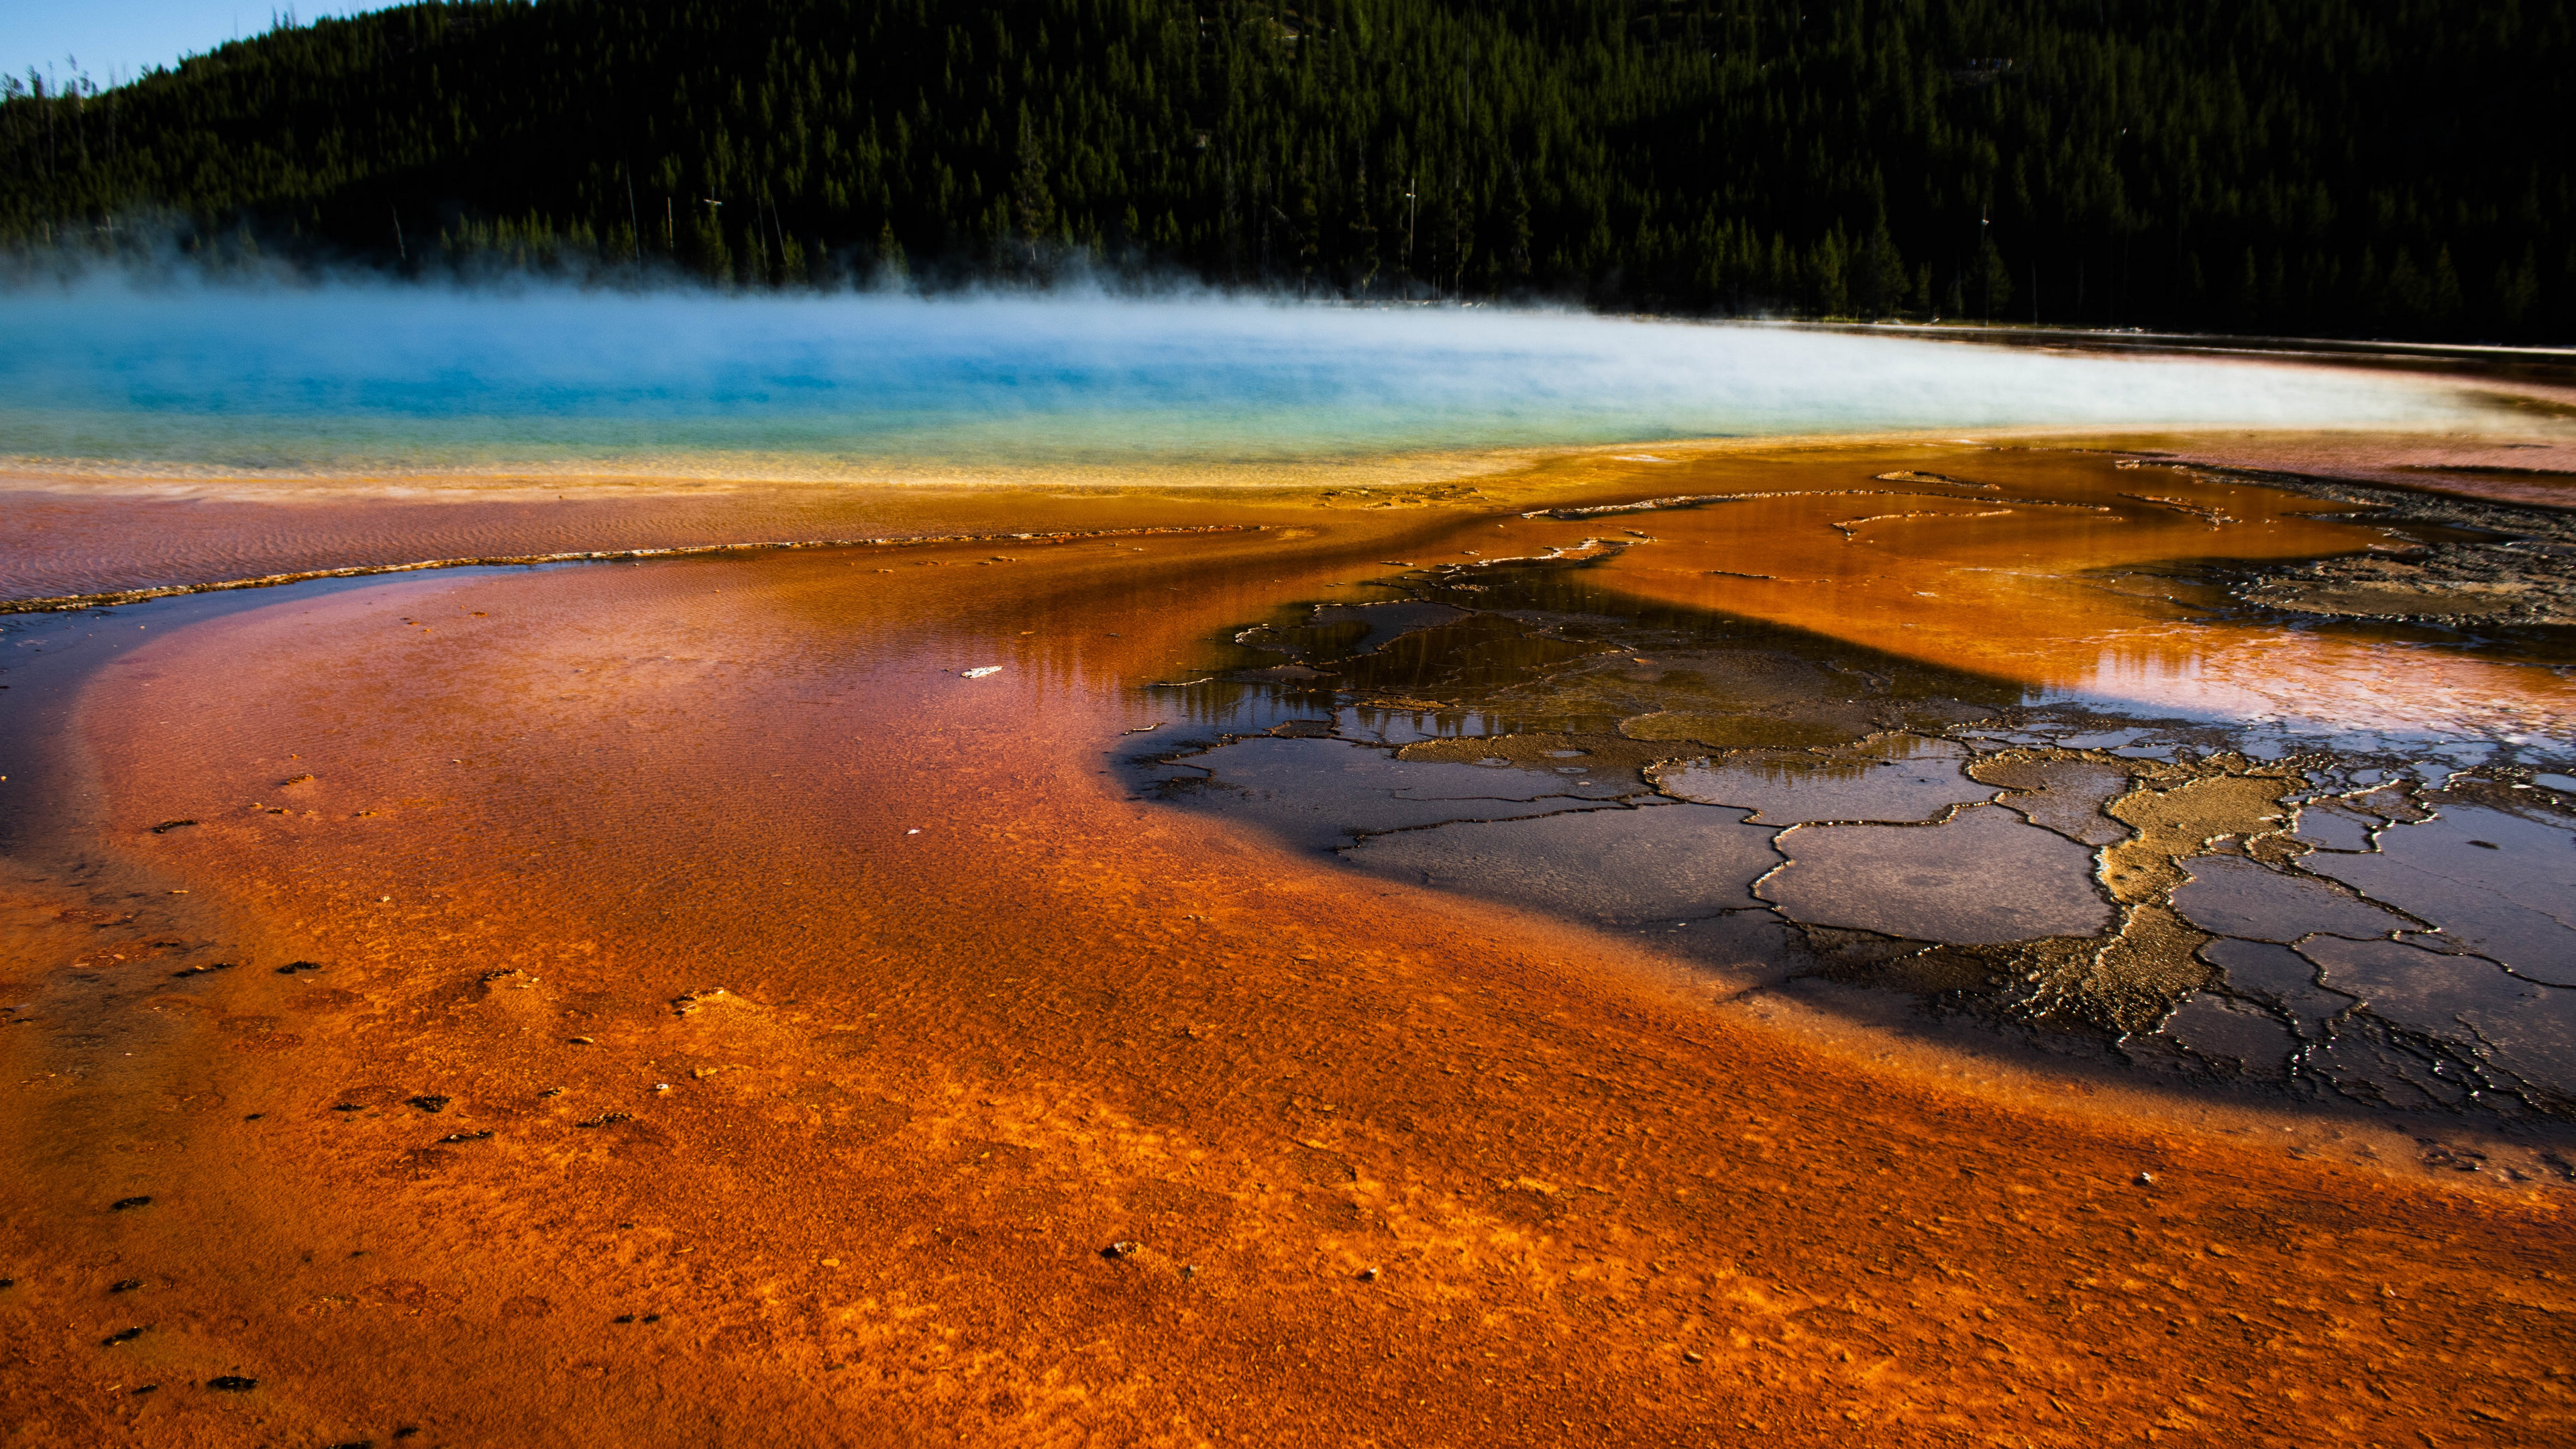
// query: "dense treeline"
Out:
[2347,167]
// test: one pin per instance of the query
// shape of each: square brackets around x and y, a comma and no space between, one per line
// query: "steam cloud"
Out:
[336,375]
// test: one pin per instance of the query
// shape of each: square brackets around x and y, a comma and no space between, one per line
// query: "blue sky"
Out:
[122,38]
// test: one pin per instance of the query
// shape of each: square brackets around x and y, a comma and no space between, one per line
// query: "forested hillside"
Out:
[2340,167]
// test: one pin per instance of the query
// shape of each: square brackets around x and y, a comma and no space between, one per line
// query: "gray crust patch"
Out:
[2066,796]
[1796,787]
[1321,792]
[2229,895]
[1984,878]
[2501,1021]
[2512,897]
[1664,863]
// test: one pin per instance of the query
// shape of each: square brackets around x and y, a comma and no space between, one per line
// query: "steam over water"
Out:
[396,378]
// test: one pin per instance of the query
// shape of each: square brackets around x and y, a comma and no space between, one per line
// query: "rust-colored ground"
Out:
[63,538]
[863,1195]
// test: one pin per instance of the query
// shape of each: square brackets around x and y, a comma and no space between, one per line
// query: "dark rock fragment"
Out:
[124,1285]
[1120,1250]
[430,1104]
[232,1384]
[125,1204]
[122,1335]
[166,826]
[292,967]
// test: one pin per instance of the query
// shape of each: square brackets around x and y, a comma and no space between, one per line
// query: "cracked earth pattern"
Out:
[2468,561]
[2366,927]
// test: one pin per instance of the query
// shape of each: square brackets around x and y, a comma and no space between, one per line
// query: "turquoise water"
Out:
[385,377]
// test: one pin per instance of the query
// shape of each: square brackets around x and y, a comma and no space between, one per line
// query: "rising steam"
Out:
[369,374]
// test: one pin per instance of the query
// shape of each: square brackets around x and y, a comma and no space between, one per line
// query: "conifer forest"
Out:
[2317,167]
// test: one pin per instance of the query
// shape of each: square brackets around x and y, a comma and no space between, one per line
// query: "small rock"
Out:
[430,1104]
[1691,1358]
[684,1005]
[122,1335]
[293,967]
[578,1041]
[2146,1179]
[232,1384]
[1368,1275]
[124,1285]
[166,826]
[467,1136]
[1120,1250]
[146,1388]
[1189,1270]
[623,1318]
[125,1204]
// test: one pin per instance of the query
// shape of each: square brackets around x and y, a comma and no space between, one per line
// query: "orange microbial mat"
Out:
[782,996]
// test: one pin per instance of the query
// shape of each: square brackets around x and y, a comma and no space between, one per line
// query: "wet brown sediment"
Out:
[66,534]
[2087,557]
[947,1070]
[2481,563]
[1602,652]
[64,603]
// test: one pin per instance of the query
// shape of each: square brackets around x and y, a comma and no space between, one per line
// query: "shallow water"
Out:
[1929,779]
[2089,579]
[413,381]
[705,999]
